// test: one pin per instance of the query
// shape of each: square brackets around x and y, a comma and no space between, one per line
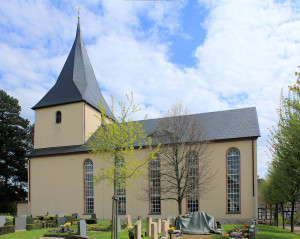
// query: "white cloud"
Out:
[250,52]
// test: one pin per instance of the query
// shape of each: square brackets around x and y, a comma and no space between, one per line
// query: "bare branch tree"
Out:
[185,165]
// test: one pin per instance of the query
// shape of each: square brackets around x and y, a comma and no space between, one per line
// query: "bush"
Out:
[9,220]
[55,234]
[7,229]
[29,220]
[34,226]
[91,221]
[103,228]
[69,218]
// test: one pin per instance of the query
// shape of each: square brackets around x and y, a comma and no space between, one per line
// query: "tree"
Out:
[285,144]
[185,170]
[15,143]
[117,142]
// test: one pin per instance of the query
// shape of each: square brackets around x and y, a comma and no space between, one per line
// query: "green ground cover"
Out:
[265,232]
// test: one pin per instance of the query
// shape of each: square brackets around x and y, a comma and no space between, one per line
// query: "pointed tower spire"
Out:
[76,82]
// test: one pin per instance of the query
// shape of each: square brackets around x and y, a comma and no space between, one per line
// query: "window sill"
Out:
[154,213]
[233,212]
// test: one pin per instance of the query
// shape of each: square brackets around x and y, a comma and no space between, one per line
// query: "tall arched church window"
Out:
[88,187]
[233,181]
[121,190]
[192,164]
[154,168]
[58,117]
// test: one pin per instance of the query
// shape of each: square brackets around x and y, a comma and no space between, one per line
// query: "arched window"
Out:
[88,187]
[58,117]
[233,181]
[154,167]
[121,190]
[192,164]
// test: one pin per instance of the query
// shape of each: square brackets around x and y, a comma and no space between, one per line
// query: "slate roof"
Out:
[220,125]
[76,82]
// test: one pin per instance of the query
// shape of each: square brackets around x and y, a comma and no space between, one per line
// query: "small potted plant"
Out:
[130,232]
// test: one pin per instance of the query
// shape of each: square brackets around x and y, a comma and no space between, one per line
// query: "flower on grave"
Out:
[67,225]
[110,221]
[246,225]
[178,235]
[170,230]
[130,231]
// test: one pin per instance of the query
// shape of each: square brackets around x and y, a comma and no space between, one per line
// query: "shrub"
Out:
[55,234]
[34,226]
[69,218]
[9,220]
[91,221]
[29,220]
[7,229]
[102,228]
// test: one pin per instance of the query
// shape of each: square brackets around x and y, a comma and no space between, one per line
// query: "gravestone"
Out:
[164,229]
[75,215]
[60,215]
[94,216]
[20,222]
[61,221]
[82,228]
[140,218]
[148,226]
[128,221]
[159,225]
[2,221]
[168,222]
[154,234]
[138,229]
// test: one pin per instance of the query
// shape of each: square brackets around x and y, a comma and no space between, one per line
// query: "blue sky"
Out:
[210,54]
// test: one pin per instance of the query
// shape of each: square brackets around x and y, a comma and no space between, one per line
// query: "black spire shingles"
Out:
[76,82]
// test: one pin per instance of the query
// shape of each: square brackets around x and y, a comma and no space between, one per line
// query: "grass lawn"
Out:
[264,232]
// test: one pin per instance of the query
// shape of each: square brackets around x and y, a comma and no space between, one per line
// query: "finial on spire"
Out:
[78,8]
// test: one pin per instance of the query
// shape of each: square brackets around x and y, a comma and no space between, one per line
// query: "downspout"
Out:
[253,181]
[84,122]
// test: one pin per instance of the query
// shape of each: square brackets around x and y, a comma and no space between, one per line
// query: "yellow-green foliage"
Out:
[121,139]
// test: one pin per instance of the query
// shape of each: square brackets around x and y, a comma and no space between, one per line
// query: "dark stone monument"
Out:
[75,215]
[94,216]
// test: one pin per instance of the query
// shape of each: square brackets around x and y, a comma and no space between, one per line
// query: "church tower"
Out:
[66,114]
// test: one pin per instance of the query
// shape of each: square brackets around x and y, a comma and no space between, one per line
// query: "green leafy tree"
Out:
[117,143]
[16,136]
[285,144]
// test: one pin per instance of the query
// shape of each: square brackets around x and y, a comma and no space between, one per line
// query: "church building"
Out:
[61,168]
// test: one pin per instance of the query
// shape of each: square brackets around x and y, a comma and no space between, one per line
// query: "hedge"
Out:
[62,234]
[7,229]
[34,226]
[91,221]
[102,228]
[9,220]
[69,218]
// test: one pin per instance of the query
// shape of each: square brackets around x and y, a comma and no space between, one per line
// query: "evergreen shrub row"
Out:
[102,228]
[91,221]
[7,229]
[34,226]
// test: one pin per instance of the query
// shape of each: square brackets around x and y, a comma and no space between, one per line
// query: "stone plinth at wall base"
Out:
[71,237]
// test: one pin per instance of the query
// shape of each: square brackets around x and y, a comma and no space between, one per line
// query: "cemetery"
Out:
[65,226]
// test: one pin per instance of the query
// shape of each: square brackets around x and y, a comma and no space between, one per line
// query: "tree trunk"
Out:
[282,214]
[179,202]
[292,216]
[270,214]
[276,215]
[112,217]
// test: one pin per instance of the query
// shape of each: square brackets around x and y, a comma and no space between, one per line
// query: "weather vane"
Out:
[78,8]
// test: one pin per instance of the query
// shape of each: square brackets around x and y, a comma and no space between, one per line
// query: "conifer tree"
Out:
[15,143]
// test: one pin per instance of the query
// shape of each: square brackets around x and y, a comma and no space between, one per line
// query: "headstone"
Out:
[141,217]
[154,233]
[82,228]
[159,225]
[2,221]
[20,223]
[128,221]
[61,221]
[138,229]
[60,214]
[164,229]
[94,216]
[148,226]
[173,222]
[75,215]
[168,222]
